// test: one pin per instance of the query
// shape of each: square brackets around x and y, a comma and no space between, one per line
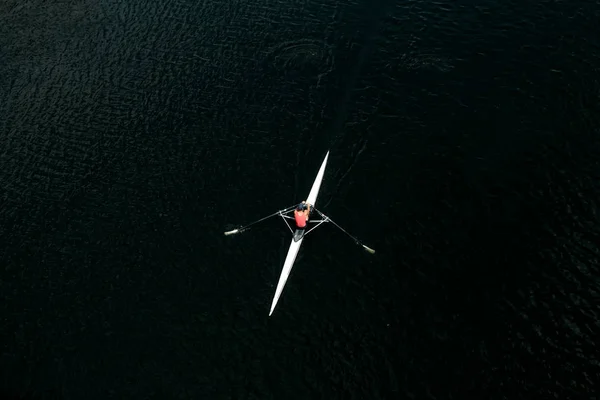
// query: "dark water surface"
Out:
[465,149]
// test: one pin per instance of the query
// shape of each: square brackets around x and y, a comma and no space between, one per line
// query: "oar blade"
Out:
[233,232]
[367,248]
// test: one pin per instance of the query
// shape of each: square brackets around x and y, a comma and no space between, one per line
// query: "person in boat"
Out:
[301,214]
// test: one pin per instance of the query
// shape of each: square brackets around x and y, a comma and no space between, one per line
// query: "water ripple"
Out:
[301,54]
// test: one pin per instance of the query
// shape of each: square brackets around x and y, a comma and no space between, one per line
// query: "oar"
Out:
[243,228]
[325,217]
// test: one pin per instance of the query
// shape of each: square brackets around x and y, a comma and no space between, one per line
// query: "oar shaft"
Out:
[370,250]
[243,228]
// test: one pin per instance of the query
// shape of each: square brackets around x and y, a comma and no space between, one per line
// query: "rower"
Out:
[301,214]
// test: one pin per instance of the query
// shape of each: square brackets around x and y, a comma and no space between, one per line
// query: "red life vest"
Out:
[300,219]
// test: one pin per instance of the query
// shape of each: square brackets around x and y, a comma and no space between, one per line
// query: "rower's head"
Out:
[301,206]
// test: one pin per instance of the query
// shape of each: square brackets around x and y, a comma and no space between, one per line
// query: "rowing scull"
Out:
[298,234]
[298,237]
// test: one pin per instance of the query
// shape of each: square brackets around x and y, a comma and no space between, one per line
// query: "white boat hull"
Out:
[295,246]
